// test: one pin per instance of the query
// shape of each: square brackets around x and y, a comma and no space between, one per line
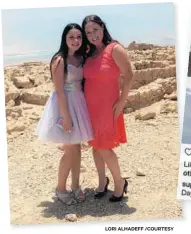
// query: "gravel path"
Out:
[153,149]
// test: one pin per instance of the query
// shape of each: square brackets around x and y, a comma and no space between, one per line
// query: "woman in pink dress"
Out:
[106,61]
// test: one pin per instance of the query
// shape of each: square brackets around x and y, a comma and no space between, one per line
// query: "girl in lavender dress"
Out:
[65,117]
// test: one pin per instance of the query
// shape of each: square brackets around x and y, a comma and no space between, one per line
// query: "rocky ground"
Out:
[149,160]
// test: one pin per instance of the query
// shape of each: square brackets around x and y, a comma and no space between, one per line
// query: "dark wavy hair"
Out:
[63,51]
[107,39]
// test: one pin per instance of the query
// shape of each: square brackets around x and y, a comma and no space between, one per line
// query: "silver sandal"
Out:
[65,198]
[78,194]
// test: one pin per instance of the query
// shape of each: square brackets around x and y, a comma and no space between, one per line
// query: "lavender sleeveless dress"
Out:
[48,131]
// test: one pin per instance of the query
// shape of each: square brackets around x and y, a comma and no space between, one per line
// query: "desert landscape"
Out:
[150,159]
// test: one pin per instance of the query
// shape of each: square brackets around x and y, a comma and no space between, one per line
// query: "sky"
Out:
[38,30]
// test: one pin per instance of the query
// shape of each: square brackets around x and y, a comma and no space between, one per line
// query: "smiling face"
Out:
[94,33]
[74,39]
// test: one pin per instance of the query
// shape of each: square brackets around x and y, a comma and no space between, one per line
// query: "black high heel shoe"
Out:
[99,195]
[117,199]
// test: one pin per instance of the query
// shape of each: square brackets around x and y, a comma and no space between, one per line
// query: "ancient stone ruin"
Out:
[28,86]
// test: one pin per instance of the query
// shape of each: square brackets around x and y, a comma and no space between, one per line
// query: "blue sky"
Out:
[33,30]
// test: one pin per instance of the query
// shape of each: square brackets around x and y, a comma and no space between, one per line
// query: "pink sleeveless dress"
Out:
[101,92]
